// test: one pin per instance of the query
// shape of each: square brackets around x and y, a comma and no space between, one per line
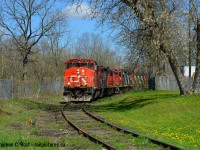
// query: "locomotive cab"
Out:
[79,77]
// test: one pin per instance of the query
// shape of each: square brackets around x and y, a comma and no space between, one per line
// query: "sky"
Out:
[80,25]
[79,22]
[79,18]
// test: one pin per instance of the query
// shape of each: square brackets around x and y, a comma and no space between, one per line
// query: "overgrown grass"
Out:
[162,115]
[14,127]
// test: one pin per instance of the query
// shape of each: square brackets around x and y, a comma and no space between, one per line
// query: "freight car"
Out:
[85,80]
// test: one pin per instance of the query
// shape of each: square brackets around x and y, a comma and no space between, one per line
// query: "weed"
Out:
[35,132]
[15,128]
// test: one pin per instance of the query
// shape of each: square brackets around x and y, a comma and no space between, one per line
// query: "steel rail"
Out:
[118,128]
[80,131]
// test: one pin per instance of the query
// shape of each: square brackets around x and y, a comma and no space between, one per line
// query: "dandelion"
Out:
[198,131]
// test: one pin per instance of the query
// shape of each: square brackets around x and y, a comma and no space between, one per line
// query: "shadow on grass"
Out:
[123,105]
[45,106]
[41,105]
[131,103]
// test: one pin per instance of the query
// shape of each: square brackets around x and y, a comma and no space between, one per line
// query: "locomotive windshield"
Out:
[83,65]
[91,65]
[75,64]
[80,63]
[69,65]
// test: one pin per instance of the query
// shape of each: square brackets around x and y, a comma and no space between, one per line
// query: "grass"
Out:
[163,115]
[15,130]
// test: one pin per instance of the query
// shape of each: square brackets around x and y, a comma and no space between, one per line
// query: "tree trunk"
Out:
[196,83]
[189,42]
[178,75]
[176,70]
[25,63]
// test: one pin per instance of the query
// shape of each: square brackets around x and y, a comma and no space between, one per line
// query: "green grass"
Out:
[14,127]
[162,115]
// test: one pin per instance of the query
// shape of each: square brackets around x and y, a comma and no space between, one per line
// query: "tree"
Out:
[26,22]
[150,23]
[196,83]
[94,47]
[57,41]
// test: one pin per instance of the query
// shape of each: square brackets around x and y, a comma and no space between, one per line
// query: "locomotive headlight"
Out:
[68,83]
[85,81]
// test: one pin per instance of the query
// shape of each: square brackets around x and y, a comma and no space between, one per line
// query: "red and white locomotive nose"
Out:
[79,78]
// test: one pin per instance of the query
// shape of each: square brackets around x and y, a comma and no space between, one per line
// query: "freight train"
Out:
[85,80]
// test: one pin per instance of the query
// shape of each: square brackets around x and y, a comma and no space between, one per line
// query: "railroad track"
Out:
[99,131]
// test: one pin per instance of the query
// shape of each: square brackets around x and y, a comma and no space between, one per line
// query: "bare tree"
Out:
[58,40]
[26,22]
[93,46]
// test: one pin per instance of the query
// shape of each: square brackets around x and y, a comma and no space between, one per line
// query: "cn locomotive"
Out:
[85,80]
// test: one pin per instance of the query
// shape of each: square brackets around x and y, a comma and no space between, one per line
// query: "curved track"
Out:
[155,141]
[85,134]
[96,131]
[85,123]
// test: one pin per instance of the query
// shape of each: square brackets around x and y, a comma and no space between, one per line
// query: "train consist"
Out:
[85,80]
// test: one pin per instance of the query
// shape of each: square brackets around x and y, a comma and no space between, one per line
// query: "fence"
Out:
[6,89]
[139,82]
[10,88]
[168,83]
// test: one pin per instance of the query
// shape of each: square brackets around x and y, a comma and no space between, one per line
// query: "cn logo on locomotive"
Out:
[75,78]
